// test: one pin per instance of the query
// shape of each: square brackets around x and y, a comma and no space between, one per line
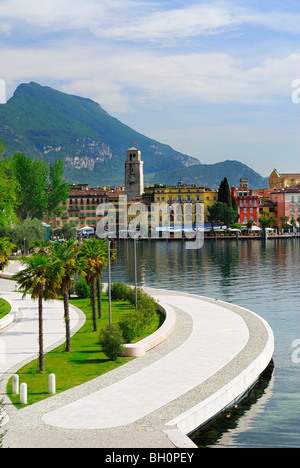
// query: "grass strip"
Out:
[5,308]
[85,362]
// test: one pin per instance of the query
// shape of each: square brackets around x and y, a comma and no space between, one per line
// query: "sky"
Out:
[216,80]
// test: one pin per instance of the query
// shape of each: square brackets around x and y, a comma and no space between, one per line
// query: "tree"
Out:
[8,191]
[42,278]
[67,231]
[95,253]
[250,223]
[6,248]
[65,255]
[224,195]
[32,178]
[41,189]
[284,220]
[87,252]
[31,230]
[222,213]
[57,189]
[112,342]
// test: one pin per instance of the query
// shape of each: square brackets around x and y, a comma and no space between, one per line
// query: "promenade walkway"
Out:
[149,401]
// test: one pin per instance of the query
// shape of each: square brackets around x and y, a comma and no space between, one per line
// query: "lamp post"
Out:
[109,281]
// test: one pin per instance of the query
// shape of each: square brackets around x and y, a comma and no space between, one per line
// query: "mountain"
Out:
[42,122]
[210,175]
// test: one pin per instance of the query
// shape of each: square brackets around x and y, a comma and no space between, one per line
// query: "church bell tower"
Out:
[134,174]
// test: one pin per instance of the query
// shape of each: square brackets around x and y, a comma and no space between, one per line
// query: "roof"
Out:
[290,176]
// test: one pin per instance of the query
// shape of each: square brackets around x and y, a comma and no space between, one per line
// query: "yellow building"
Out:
[277,180]
[187,194]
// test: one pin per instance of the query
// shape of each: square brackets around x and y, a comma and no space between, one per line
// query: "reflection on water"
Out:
[226,427]
[258,275]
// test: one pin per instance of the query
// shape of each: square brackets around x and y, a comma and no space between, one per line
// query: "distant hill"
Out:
[210,175]
[42,122]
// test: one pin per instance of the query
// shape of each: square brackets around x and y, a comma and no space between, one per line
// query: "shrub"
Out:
[131,326]
[111,341]
[146,308]
[120,291]
[82,289]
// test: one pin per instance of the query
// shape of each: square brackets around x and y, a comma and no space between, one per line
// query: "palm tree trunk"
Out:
[99,297]
[41,338]
[93,301]
[67,320]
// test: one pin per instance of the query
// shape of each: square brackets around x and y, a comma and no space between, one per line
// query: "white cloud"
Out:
[120,79]
[135,20]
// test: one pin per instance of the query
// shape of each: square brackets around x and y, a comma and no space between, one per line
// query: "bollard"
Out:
[15,384]
[23,394]
[52,386]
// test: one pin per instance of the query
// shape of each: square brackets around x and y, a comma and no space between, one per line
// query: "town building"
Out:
[82,203]
[267,207]
[247,202]
[284,180]
[187,194]
[288,204]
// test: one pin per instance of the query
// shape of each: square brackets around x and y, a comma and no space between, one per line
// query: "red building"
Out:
[247,201]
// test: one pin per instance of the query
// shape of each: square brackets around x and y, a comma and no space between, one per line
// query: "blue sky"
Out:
[213,79]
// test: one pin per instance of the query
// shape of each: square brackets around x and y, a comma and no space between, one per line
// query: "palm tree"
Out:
[66,255]
[100,248]
[6,248]
[42,278]
[87,252]
[95,253]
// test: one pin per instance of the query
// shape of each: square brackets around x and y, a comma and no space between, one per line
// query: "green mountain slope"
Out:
[42,122]
[210,175]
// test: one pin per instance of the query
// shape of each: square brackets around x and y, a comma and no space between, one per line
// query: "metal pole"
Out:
[109,281]
[135,272]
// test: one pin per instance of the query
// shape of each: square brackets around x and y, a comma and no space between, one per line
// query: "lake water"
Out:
[262,276]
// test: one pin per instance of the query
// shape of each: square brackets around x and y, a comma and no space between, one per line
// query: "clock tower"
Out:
[134,174]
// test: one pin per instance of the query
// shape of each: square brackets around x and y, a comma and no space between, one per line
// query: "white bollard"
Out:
[23,394]
[15,384]
[52,385]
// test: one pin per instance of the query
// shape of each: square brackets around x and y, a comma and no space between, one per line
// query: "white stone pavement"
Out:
[207,350]
[219,334]
[19,342]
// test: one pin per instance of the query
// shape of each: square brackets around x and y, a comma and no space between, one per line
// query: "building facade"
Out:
[288,204]
[81,206]
[247,202]
[284,180]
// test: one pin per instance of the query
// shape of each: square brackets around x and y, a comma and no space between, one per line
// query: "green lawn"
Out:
[86,360]
[4,308]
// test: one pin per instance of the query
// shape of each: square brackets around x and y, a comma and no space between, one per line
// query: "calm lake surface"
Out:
[262,276]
